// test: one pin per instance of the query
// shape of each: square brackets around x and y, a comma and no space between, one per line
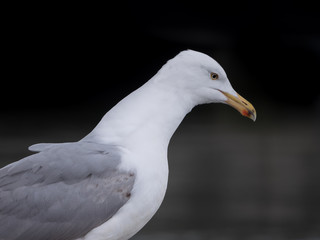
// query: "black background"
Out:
[65,65]
[57,55]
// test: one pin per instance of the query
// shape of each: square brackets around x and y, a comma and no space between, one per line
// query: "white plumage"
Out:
[125,155]
[143,124]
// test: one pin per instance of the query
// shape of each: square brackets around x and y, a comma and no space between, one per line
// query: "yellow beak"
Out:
[242,105]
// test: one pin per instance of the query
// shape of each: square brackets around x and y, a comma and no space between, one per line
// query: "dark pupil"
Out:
[214,75]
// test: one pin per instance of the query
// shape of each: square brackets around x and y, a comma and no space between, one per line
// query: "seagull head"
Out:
[201,80]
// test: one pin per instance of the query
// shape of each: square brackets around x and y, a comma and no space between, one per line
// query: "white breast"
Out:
[142,125]
[147,195]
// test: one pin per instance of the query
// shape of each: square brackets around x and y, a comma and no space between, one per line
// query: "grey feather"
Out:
[43,146]
[62,192]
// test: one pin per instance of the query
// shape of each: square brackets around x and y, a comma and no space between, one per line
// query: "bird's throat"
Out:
[149,115]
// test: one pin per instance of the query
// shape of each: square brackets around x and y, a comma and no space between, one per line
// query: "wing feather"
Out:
[62,192]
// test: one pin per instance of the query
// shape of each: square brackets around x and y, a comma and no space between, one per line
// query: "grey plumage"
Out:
[62,192]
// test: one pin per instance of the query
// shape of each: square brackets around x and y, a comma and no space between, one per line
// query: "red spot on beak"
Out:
[244,112]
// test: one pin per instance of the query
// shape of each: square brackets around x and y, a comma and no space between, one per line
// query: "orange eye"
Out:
[214,76]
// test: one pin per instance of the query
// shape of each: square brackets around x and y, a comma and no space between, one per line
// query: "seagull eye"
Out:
[214,76]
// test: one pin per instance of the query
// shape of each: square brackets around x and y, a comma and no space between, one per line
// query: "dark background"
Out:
[64,66]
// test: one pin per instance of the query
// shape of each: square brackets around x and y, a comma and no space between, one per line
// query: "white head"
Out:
[202,80]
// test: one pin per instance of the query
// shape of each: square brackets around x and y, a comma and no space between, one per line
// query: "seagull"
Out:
[110,183]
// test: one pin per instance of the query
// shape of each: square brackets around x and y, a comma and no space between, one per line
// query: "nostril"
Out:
[244,103]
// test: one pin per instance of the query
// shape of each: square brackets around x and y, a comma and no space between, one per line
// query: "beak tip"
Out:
[249,114]
[253,116]
[242,105]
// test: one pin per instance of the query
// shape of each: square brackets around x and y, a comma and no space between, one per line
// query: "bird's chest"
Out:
[151,177]
[148,191]
[149,187]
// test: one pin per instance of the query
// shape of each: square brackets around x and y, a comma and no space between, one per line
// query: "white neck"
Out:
[149,115]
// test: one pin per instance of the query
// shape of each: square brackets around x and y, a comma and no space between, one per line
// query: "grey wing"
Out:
[62,192]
